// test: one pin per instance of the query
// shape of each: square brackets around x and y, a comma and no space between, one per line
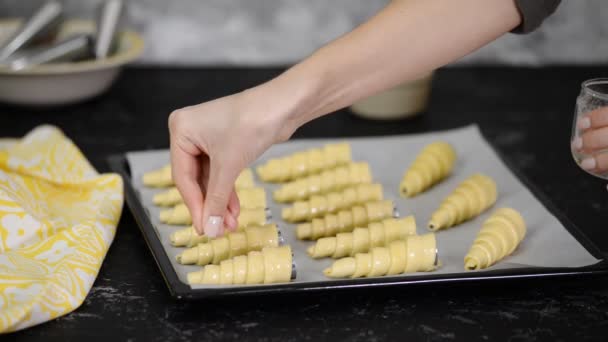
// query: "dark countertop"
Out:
[526,113]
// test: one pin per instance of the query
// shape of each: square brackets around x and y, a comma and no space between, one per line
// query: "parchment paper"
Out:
[547,243]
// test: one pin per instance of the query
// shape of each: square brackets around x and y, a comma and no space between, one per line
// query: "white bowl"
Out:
[405,100]
[63,83]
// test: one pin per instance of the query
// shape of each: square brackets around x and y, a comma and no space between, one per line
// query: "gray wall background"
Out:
[263,32]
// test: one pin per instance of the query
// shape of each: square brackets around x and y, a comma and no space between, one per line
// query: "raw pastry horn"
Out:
[332,202]
[244,180]
[474,195]
[327,181]
[168,198]
[187,237]
[434,163]
[179,215]
[361,240]
[500,234]
[252,198]
[231,245]
[269,266]
[160,178]
[416,253]
[304,163]
[345,220]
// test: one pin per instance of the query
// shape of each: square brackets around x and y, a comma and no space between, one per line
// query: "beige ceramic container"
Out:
[62,83]
[403,101]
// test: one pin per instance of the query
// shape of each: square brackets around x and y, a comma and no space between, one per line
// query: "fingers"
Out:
[593,140]
[185,170]
[186,166]
[596,164]
[595,119]
[234,208]
[222,176]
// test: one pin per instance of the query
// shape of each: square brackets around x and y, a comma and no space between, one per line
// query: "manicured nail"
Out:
[577,143]
[588,164]
[584,123]
[214,226]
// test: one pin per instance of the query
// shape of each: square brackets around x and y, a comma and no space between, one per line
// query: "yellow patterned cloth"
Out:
[58,217]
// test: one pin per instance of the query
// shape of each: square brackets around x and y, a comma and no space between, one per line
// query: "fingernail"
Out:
[588,164]
[577,143]
[214,226]
[584,123]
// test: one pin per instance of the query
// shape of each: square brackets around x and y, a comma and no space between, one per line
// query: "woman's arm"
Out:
[212,142]
[404,41]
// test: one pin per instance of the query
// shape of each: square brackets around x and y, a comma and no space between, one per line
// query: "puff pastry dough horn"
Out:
[304,163]
[500,234]
[179,215]
[269,266]
[361,240]
[162,178]
[345,220]
[244,180]
[474,195]
[231,245]
[188,237]
[332,202]
[168,198]
[327,181]
[417,253]
[250,198]
[158,178]
[434,163]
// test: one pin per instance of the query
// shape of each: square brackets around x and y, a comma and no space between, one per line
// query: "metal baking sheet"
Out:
[549,245]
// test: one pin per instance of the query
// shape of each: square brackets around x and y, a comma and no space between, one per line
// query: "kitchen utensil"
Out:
[108,24]
[73,48]
[43,22]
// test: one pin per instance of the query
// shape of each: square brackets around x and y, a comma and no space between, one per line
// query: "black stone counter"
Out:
[526,113]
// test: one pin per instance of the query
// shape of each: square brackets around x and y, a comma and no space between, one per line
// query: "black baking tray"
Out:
[180,290]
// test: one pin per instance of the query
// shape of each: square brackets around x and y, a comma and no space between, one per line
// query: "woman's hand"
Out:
[593,139]
[211,143]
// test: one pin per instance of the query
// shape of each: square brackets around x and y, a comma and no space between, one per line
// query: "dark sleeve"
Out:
[533,13]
